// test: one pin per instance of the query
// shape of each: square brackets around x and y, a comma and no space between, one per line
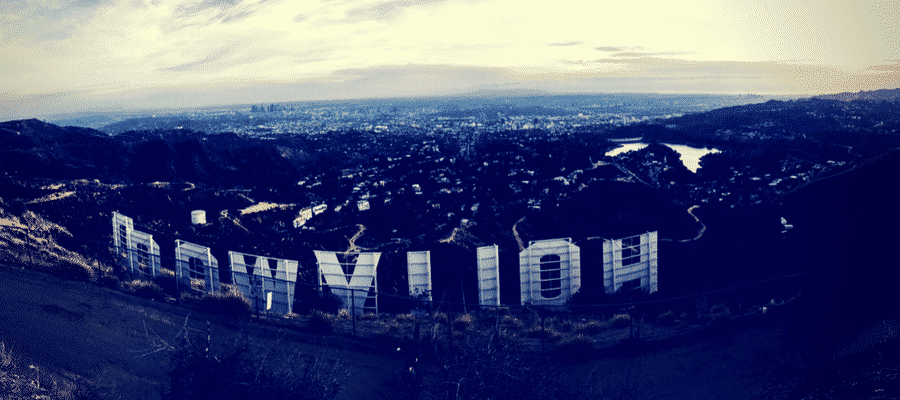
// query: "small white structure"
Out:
[418,268]
[549,271]
[786,225]
[362,205]
[195,267]
[268,282]
[305,215]
[488,275]
[138,250]
[630,263]
[319,209]
[198,217]
[354,283]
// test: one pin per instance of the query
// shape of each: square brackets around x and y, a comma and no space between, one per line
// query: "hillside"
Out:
[824,166]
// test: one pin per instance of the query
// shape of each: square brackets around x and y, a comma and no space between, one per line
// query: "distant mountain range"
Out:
[874,95]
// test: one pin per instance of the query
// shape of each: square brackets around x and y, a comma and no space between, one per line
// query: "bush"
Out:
[166,281]
[110,281]
[620,320]
[242,372]
[406,318]
[229,303]
[440,318]
[146,289]
[666,318]
[548,334]
[576,348]
[719,312]
[464,322]
[67,269]
[321,323]
[511,322]
[590,328]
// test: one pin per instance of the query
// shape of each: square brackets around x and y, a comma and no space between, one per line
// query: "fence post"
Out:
[543,331]
[353,310]
[631,321]
[178,284]
[449,327]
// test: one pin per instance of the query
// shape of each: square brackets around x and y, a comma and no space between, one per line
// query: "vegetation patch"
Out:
[145,289]
[321,323]
[620,320]
[578,347]
[666,318]
[243,372]
[229,303]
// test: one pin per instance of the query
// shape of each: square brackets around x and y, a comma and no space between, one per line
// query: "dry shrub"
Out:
[367,316]
[440,318]
[589,328]
[66,268]
[145,289]
[110,281]
[229,302]
[509,339]
[620,320]
[666,318]
[321,323]
[719,312]
[464,322]
[243,371]
[512,322]
[20,380]
[548,334]
[406,318]
[577,347]
[389,334]
[166,280]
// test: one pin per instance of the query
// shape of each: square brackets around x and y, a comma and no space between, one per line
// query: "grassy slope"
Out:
[105,336]
[81,330]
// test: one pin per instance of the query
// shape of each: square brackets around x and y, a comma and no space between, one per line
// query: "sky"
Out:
[60,56]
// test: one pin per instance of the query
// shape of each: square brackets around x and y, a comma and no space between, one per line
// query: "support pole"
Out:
[353,310]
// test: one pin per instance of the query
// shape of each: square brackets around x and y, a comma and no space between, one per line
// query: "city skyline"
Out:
[66,56]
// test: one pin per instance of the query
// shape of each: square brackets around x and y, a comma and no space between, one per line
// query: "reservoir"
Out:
[690,156]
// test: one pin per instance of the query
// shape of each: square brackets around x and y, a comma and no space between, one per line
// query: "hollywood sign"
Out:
[549,270]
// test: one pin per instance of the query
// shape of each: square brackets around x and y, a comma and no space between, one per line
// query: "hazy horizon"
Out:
[66,56]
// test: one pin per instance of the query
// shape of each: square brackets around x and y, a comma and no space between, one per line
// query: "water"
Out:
[625,148]
[690,156]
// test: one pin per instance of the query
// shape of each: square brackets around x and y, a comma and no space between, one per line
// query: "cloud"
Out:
[193,66]
[563,44]
[610,48]
[633,54]
[384,11]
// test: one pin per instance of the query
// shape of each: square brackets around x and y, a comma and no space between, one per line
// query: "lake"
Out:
[690,156]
